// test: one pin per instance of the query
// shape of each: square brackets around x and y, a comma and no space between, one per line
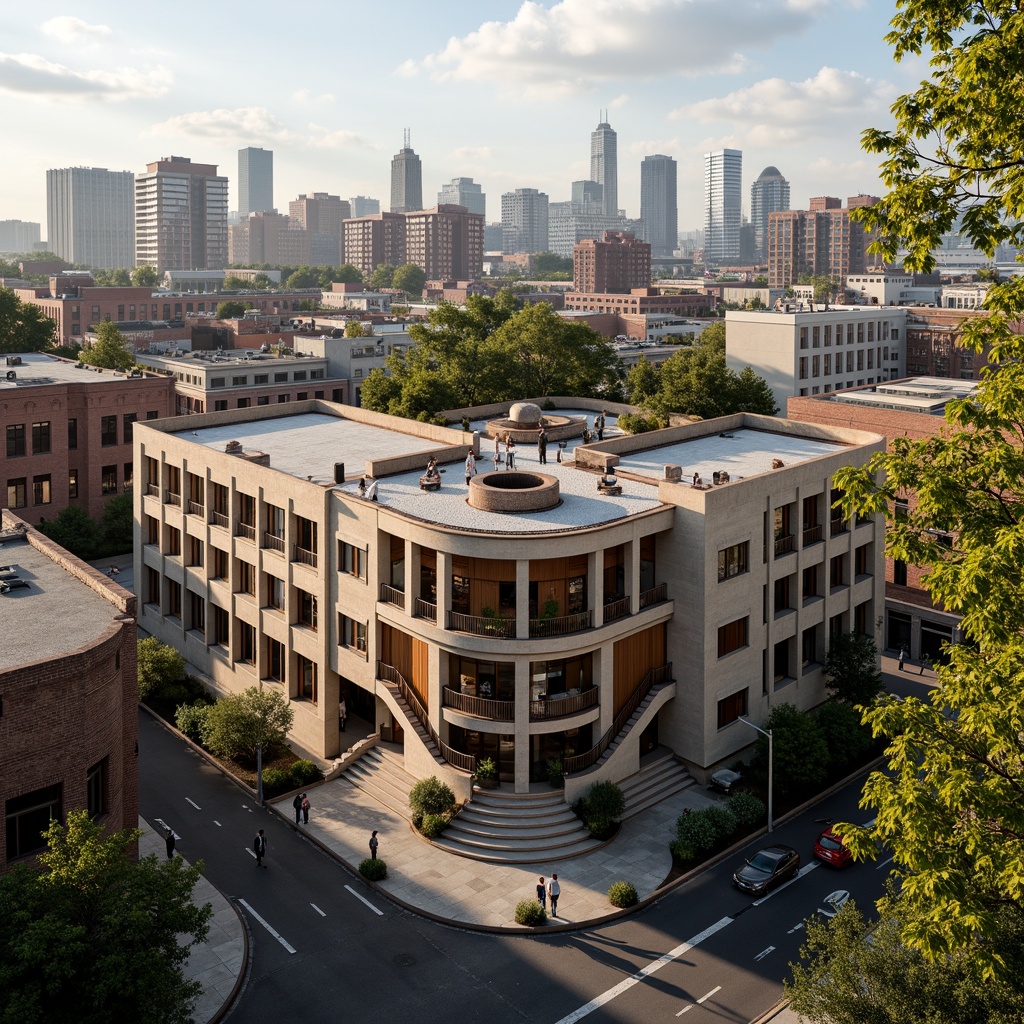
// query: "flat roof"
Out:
[55,615]
[928,395]
[37,369]
[213,360]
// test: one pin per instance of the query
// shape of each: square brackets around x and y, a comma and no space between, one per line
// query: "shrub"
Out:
[431,796]
[601,809]
[554,769]
[798,747]
[530,912]
[276,781]
[305,773]
[632,423]
[160,665]
[374,869]
[191,720]
[622,894]
[237,725]
[487,769]
[433,825]
[847,740]
[682,851]
[547,405]
[705,829]
[747,809]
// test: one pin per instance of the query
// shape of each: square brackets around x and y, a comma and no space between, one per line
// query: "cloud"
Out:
[306,96]
[73,30]
[472,153]
[254,124]
[34,75]
[568,48]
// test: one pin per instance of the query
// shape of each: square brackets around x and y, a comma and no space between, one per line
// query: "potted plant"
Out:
[487,774]
[555,769]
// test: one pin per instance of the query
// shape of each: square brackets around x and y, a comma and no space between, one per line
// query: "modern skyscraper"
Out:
[90,214]
[604,165]
[255,181]
[181,216]
[659,212]
[723,204]
[769,194]
[524,221]
[364,206]
[463,192]
[406,180]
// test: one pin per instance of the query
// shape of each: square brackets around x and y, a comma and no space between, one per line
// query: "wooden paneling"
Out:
[420,669]
[635,656]
[409,655]
[497,569]
[543,570]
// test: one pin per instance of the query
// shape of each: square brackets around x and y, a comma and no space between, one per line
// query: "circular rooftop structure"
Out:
[525,415]
[513,491]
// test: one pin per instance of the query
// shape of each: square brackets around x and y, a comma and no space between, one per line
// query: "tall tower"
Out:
[90,215]
[723,204]
[406,180]
[463,192]
[604,164]
[769,194]
[524,221]
[659,213]
[255,181]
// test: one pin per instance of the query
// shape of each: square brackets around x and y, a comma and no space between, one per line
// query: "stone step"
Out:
[481,832]
[518,819]
[498,798]
[653,783]
[518,856]
[390,783]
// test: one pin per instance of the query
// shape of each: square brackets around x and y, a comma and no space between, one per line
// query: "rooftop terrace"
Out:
[36,368]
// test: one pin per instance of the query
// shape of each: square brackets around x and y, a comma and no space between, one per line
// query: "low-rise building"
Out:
[638,302]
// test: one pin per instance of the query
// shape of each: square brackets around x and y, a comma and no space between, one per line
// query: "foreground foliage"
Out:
[238,725]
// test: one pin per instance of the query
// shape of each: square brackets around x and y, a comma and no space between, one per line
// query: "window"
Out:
[173,541]
[809,646]
[72,435]
[108,483]
[837,571]
[153,413]
[803,368]
[246,578]
[275,593]
[217,382]
[197,612]
[302,396]
[783,594]
[246,643]
[41,438]
[220,564]
[15,440]
[244,403]
[732,636]
[862,561]
[96,789]
[239,382]
[280,378]
[41,490]
[261,378]
[263,400]
[281,399]
[72,483]
[732,707]
[220,405]
[352,633]
[17,492]
[221,626]
[299,375]
[307,679]
[352,560]
[128,421]
[810,582]
[28,817]
[195,550]
[275,660]
[308,610]
[732,561]
[108,430]
[899,573]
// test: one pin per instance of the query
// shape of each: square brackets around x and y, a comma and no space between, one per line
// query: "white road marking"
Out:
[763,953]
[689,1006]
[702,999]
[217,823]
[888,860]
[379,913]
[796,929]
[193,803]
[644,973]
[163,824]
[277,935]
[785,885]
[318,910]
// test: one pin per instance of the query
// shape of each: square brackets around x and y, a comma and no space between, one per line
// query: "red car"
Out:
[830,848]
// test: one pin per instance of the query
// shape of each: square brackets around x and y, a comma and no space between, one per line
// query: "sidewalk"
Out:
[218,964]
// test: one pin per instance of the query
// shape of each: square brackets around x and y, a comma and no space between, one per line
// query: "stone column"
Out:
[522,726]
[522,598]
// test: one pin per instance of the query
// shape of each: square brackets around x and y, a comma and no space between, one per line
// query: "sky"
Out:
[505,92]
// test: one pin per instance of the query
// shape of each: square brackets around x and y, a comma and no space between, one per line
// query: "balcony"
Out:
[560,625]
[560,705]
[653,596]
[196,508]
[497,626]
[219,519]
[304,556]
[272,541]
[838,526]
[812,534]
[246,530]
[617,609]
[153,490]
[393,596]
[783,545]
[481,707]
[170,498]
[425,610]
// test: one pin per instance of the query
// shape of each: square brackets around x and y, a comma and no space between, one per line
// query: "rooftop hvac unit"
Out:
[339,472]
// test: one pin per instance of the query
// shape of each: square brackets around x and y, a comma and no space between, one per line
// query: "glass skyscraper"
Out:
[723,204]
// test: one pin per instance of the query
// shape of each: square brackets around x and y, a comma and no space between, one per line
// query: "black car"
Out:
[766,869]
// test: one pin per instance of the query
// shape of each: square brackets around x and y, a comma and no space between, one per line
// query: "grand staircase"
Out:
[663,776]
[380,774]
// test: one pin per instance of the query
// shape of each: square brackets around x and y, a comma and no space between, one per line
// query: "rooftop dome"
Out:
[769,172]
[526,413]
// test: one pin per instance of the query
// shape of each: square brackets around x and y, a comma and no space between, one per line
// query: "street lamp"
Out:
[768,733]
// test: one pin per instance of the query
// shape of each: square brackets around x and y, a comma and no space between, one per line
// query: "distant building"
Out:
[18,236]
[524,221]
[463,192]
[723,205]
[658,210]
[255,181]
[569,224]
[181,216]
[90,215]
[374,239]
[406,180]
[493,238]
[768,195]
[323,216]
[256,240]
[604,166]
[619,262]
[638,302]
[363,206]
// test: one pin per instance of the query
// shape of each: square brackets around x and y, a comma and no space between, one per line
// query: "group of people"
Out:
[259,844]
[301,805]
[549,890]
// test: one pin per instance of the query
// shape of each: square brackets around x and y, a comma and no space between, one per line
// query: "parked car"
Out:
[724,779]
[767,869]
[6,586]
[830,848]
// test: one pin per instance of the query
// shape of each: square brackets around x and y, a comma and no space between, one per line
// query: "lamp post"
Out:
[768,733]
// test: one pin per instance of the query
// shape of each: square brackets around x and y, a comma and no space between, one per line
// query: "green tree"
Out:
[238,725]
[261,282]
[713,338]
[96,937]
[751,393]
[74,531]
[23,327]
[145,276]
[234,283]
[549,267]
[230,310]
[345,273]
[119,278]
[847,739]
[382,276]
[851,668]
[160,666]
[798,749]
[409,278]
[380,391]
[303,277]
[115,529]
[642,382]
[109,350]
[354,329]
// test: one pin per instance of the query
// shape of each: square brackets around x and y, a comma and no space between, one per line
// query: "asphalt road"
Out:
[327,948]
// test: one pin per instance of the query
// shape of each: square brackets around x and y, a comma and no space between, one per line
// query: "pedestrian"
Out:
[497,451]
[542,447]
[361,489]
[510,454]
[553,891]
[170,842]
[259,846]
[374,844]
[371,491]
[926,662]
[342,713]
[305,809]
[470,467]
[542,893]
[599,426]
[297,804]
[903,656]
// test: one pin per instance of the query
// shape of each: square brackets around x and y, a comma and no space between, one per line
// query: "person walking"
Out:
[470,467]
[903,657]
[374,844]
[542,447]
[169,839]
[297,804]
[599,426]
[510,454]
[497,451]
[259,847]
[926,662]
[542,893]
[305,809]
[554,889]
[342,713]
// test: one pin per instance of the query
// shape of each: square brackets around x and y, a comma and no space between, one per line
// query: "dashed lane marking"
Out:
[318,910]
[193,803]
[362,899]
[273,931]
[703,999]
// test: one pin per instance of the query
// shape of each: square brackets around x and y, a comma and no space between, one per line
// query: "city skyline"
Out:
[771,84]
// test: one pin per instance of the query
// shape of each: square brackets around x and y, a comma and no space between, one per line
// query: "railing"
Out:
[560,625]
[304,556]
[390,674]
[655,677]
[272,541]
[392,595]
[246,530]
[838,526]
[153,490]
[563,704]
[170,498]
[425,610]
[812,534]
[196,508]
[617,609]
[218,519]
[783,545]
[654,596]
[482,707]
[499,626]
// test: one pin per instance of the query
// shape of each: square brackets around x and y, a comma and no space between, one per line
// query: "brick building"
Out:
[933,348]
[69,695]
[639,302]
[618,262]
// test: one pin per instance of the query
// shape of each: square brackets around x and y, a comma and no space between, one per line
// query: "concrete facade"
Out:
[90,216]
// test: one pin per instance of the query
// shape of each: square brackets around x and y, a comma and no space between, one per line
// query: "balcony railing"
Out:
[812,534]
[390,674]
[783,545]
[392,595]
[654,596]
[425,610]
[196,508]
[560,625]
[170,498]
[218,519]
[304,556]
[617,609]
[482,707]
[498,626]
[153,490]
[838,526]
[272,541]
[559,705]
[246,530]
[655,677]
